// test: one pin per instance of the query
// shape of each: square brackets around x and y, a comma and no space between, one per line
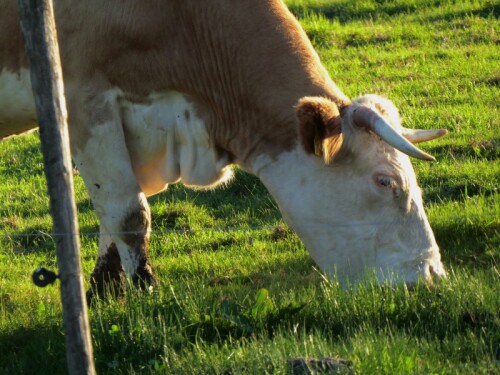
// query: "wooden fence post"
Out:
[38,26]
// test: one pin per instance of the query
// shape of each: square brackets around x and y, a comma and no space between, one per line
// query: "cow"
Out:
[160,92]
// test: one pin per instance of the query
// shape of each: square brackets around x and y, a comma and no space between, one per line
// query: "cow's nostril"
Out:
[431,271]
[436,273]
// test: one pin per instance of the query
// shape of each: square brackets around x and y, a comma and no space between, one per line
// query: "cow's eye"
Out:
[386,181]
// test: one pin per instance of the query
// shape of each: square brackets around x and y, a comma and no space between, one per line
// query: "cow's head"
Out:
[359,207]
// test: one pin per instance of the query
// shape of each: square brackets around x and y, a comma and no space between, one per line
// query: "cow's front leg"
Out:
[101,156]
[122,253]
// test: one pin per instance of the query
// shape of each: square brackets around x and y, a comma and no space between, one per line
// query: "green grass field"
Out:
[238,292]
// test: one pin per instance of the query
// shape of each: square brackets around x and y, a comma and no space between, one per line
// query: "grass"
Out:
[238,291]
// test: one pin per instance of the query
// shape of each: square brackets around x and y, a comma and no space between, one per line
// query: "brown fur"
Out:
[108,276]
[244,64]
[12,57]
[320,127]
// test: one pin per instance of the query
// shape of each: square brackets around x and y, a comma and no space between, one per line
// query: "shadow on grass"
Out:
[467,243]
[36,350]
[37,239]
[347,11]
[489,10]
[486,150]
[450,188]
[246,192]
[84,206]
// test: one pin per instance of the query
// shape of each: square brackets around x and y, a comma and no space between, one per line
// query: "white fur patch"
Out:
[169,143]
[17,105]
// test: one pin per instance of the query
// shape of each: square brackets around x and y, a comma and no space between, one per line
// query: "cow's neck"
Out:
[294,179]
[266,124]
[255,82]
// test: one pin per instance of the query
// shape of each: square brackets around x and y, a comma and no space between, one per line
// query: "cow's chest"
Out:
[168,142]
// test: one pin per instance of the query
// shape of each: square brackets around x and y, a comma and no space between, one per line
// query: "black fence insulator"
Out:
[43,277]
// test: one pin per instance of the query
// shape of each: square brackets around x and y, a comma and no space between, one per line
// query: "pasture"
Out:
[238,292]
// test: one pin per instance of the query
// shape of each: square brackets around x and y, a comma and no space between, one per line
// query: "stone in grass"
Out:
[306,366]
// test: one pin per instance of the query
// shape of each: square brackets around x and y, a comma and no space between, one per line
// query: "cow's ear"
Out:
[320,128]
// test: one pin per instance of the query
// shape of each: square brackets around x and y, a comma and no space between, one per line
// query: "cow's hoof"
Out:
[108,277]
[144,279]
[103,290]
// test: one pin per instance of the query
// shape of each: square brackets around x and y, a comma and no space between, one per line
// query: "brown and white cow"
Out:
[160,92]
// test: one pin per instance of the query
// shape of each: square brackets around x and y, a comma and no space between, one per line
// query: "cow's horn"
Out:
[417,136]
[366,117]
